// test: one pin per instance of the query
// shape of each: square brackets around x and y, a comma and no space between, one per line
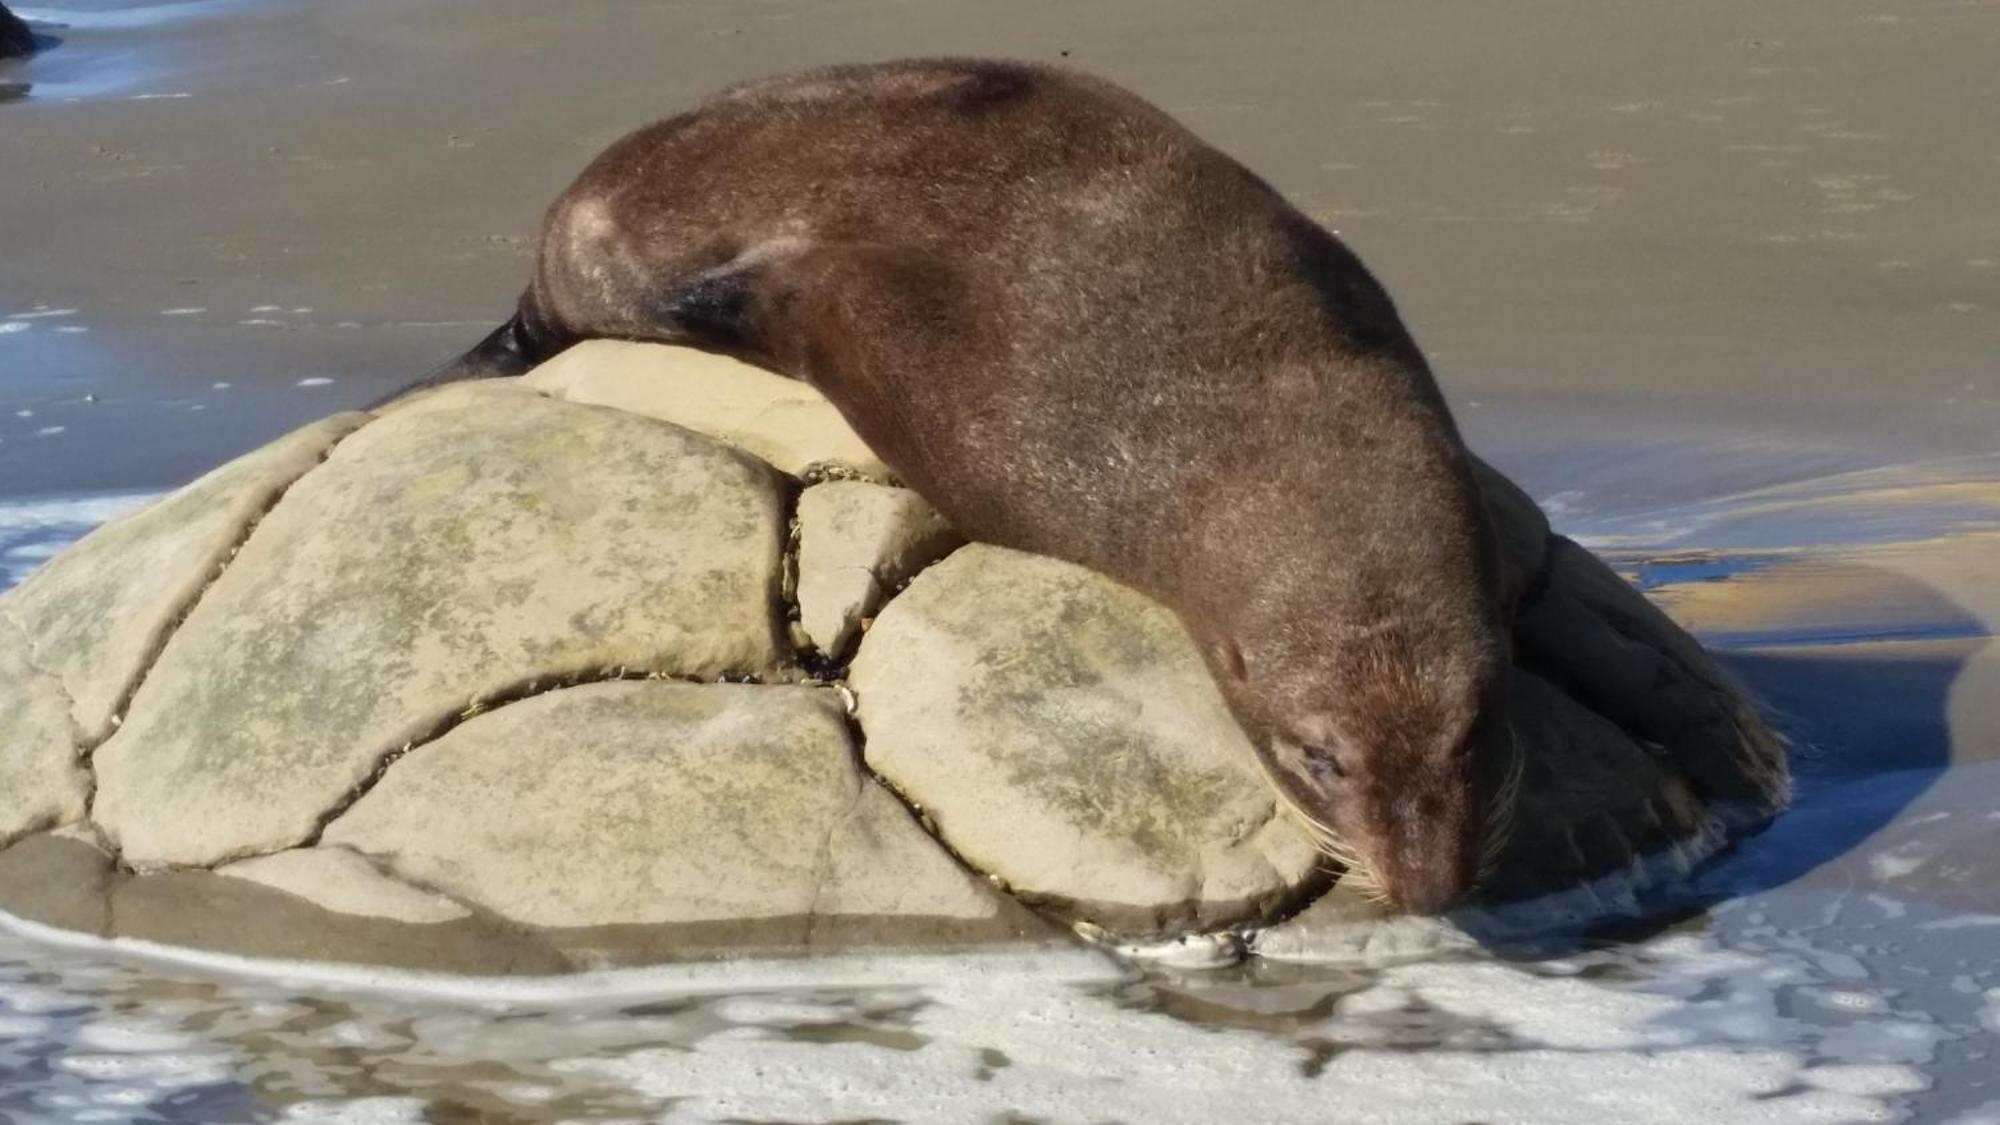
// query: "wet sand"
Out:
[1719,283]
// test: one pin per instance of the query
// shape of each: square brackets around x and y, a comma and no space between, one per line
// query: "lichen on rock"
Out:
[98,614]
[444,554]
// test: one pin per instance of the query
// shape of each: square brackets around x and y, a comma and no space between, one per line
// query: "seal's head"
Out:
[1357,635]
[1392,751]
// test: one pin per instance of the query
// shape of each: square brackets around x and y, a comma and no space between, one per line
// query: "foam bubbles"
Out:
[33,530]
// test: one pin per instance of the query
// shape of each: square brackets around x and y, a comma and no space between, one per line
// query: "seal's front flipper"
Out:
[716,310]
[819,312]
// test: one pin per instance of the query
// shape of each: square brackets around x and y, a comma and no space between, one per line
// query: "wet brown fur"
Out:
[1079,330]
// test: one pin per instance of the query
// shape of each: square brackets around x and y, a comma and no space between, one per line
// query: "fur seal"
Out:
[1079,330]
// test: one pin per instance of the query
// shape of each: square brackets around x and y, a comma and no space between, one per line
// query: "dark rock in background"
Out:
[16,41]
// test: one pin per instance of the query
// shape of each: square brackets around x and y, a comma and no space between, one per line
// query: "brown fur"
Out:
[1078,330]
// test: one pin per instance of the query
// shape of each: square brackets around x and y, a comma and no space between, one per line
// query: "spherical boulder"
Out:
[586,668]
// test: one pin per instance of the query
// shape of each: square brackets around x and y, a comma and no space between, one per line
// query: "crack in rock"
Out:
[823,862]
[34,651]
[193,601]
[73,735]
[858,741]
[525,690]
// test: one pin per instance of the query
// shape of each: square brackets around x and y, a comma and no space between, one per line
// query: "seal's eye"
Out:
[1323,764]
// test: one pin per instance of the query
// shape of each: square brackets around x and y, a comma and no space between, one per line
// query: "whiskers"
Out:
[1358,874]
[1361,876]
[1500,810]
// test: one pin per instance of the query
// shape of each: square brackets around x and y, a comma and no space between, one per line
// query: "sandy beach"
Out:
[1613,227]
[1719,283]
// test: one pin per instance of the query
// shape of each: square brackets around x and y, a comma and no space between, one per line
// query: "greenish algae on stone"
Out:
[463,547]
[658,804]
[42,779]
[1064,736]
[98,612]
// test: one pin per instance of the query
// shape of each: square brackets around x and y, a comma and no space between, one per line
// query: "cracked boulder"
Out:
[858,543]
[699,817]
[438,688]
[1063,734]
[451,551]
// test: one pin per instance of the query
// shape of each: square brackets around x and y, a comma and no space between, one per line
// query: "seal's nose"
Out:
[1429,878]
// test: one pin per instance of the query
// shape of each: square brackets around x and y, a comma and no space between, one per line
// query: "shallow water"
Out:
[1827,1007]
[99,49]
[1840,966]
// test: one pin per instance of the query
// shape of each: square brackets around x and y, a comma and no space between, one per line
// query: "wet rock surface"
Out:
[441,688]
[345,882]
